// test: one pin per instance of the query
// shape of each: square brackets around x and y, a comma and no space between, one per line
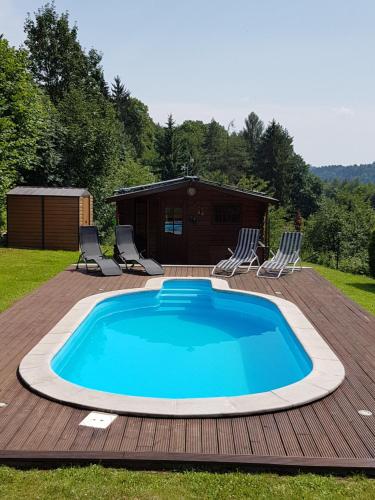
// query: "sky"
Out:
[309,64]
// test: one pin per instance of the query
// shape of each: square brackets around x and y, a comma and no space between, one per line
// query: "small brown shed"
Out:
[40,217]
[188,220]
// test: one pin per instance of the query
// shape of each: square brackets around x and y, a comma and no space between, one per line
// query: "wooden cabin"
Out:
[48,218]
[189,220]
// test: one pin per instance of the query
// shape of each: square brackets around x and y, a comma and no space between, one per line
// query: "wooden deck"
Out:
[327,435]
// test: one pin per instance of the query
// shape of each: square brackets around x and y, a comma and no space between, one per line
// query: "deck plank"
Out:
[327,430]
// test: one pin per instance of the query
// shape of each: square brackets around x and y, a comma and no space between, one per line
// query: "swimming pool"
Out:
[184,347]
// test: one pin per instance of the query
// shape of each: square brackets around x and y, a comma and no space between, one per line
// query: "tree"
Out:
[168,147]
[215,146]
[120,96]
[137,122]
[57,59]
[341,229]
[252,133]
[191,136]
[46,170]
[305,188]
[92,146]
[140,129]
[23,119]
[287,173]
[371,254]
[275,160]
[236,158]
[252,183]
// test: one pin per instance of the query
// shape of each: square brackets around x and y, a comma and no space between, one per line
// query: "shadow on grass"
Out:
[365,287]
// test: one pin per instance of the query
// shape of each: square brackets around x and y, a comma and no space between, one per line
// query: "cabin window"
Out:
[173,223]
[227,214]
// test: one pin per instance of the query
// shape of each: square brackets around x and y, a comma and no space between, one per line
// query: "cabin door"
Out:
[173,232]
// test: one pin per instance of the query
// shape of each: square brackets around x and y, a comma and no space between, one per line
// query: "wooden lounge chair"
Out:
[286,258]
[245,253]
[91,252]
[128,252]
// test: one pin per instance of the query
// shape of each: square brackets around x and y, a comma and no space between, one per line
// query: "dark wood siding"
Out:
[203,240]
[25,221]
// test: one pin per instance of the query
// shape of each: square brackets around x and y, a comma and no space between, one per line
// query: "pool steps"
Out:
[180,299]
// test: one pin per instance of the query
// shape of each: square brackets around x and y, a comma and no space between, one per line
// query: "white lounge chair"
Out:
[286,258]
[245,253]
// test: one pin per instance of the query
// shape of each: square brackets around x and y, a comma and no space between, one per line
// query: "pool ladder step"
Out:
[179,300]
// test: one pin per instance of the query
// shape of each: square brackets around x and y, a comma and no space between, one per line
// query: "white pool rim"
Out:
[326,375]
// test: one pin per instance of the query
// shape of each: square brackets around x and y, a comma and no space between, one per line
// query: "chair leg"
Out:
[251,263]
[260,268]
[213,271]
[78,261]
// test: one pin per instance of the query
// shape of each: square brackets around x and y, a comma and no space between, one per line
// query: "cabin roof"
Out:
[48,191]
[169,185]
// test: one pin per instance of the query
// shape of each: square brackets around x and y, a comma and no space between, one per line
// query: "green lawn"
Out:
[359,288]
[95,482]
[21,271]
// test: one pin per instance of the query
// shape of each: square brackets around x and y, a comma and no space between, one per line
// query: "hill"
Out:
[362,173]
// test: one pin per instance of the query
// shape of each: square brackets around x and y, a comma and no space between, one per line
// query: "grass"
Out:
[96,482]
[359,288]
[21,271]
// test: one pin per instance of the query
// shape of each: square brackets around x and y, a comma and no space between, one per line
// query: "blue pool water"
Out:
[184,341]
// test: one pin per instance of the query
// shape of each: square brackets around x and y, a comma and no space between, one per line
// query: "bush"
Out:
[279,222]
[371,254]
[343,230]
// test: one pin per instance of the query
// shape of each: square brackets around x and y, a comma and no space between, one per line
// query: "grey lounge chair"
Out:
[128,252]
[286,258]
[245,253]
[91,252]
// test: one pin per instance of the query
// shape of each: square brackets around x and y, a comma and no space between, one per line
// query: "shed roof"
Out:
[45,191]
[158,187]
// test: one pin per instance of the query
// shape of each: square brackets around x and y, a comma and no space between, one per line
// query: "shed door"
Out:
[173,232]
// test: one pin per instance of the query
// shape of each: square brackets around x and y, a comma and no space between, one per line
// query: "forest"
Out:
[63,124]
[362,173]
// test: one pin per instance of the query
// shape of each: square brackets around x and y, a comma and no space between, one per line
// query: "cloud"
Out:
[344,111]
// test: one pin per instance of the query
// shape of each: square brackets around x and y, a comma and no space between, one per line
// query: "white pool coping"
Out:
[326,375]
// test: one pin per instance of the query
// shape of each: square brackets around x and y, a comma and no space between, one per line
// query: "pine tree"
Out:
[253,131]
[275,161]
[120,96]
[169,149]
[215,146]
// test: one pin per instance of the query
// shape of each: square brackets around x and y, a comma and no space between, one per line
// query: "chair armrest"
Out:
[261,244]
[230,251]
[141,253]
